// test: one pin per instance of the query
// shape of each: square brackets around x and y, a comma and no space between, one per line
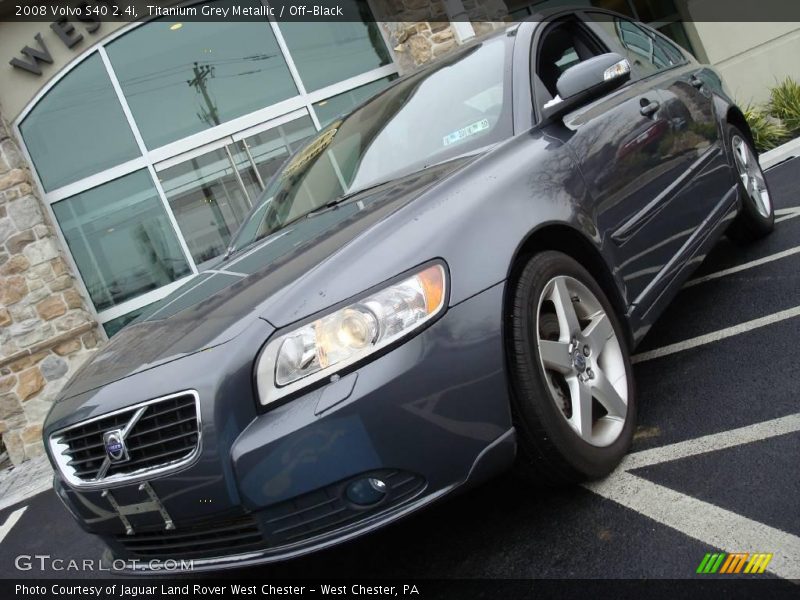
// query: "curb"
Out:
[24,481]
[782,153]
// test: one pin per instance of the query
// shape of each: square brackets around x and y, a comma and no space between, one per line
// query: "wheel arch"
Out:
[735,117]
[564,238]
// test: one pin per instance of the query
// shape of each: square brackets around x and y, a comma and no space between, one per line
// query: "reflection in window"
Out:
[424,120]
[326,52]
[208,202]
[78,129]
[457,106]
[181,78]
[677,33]
[640,41]
[271,148]
[328,110]
[661,14]
[113,326]
[121,239]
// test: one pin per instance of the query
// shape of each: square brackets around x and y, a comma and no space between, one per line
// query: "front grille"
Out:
[159,433]
[212,539]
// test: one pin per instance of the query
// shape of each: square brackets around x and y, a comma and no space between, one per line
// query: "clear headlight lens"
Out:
[343,337]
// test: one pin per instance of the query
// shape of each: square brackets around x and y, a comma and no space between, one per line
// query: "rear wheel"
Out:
[572,385]
[756,217]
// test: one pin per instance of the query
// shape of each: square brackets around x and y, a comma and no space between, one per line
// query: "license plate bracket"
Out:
[153,504]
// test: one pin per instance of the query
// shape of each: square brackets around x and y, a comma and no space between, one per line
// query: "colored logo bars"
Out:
[734,563]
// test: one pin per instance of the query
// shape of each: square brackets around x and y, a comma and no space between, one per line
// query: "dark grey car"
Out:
[440,285]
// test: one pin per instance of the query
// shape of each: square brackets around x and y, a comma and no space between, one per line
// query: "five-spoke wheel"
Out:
[756,216]
[582,359]
[753,181]
[572,385]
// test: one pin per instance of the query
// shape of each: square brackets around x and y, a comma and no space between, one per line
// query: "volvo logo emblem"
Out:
[114,444]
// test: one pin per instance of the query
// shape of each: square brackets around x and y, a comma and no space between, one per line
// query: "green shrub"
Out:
[768,132]
[784,104]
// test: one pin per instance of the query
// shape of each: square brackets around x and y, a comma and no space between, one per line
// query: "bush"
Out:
[768,132]
[784,104]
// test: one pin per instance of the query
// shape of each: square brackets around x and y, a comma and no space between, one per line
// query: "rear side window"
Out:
[647,52]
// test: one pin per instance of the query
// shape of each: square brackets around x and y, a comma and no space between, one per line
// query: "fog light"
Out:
[364,492]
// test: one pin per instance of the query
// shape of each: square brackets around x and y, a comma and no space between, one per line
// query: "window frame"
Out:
[262,119]
[650,32]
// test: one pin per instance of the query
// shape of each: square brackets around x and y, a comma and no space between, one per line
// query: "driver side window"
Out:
[564,44]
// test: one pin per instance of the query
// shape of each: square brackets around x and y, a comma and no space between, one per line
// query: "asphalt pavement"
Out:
[713,467]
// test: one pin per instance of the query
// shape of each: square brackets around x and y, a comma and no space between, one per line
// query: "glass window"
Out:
[457,106]
[327,52]
[677,33]
[181,78]
[666,53]
[78,129]
[121,239]
[270,149]
[208,202]
[327,110]
[647,53]
[211,194]
[113,326]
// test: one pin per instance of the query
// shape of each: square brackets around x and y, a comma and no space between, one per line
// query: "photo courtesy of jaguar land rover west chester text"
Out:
[443,284]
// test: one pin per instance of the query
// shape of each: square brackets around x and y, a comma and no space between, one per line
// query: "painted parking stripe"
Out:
[743,267]
[784,214]
[711,443]
[703,521]
[12,519]
[716,336]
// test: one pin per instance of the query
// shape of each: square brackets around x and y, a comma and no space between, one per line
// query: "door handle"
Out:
[649,108]
[696,81]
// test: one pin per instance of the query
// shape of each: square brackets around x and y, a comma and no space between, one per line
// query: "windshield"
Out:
[457,106]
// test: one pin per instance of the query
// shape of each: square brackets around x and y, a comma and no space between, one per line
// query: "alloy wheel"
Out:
[582,361]
[752,177]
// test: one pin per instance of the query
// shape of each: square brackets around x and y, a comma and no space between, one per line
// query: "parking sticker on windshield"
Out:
[465,132]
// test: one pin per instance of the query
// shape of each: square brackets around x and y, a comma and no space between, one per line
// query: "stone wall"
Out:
[420,31]
[45,330]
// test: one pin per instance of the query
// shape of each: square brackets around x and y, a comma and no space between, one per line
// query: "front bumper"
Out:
[427,417]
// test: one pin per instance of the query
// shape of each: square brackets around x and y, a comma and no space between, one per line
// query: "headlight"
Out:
[341,338]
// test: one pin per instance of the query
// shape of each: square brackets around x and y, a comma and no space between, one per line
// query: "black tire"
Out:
[750,225]
[549,451]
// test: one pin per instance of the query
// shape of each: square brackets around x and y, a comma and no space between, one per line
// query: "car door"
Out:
[659,234]
[621,144]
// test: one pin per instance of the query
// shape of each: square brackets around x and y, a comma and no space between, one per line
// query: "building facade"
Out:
[131,152]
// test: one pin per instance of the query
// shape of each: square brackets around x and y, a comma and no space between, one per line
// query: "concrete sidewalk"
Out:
[23,481]
[782,153]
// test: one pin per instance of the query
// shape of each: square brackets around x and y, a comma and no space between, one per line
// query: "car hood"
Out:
[215,306]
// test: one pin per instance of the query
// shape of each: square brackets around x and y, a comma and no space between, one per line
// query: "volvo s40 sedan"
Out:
[441,285]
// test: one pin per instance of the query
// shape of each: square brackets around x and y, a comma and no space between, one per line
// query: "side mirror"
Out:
[587,81]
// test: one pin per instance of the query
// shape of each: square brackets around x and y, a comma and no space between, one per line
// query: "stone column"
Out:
[46,331]
[419,31]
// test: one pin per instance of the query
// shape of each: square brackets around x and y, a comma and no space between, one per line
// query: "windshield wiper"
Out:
[340,199]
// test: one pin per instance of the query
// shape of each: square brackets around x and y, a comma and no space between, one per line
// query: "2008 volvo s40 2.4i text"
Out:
[441,285]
